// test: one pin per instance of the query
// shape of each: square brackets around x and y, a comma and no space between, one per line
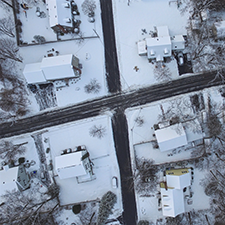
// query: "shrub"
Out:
[92,87]
[76,209]
[39,39]
[143,222]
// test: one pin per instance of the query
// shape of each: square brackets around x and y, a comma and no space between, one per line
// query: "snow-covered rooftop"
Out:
[172,202]
[8,178]
[70,165]
[58,67]
[33,73]
[178,42]
[51,68]
[171,137]
[178,179]
[59,13]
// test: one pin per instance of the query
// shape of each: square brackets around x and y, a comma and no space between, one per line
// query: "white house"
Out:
[73,164]
[13,179]
[160,47]
[60,15]
[52,68]
[178,179]
[172,191]
[172,202]
[171,137]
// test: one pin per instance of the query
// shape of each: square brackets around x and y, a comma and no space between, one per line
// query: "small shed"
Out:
[71,165]
[60,15]
[34,74]
[171,137]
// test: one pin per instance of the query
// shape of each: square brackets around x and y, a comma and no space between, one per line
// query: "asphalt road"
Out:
[121,140]
[111,61]
[111,102]
[117,102]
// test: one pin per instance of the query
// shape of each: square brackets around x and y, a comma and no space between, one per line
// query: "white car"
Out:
[114,182]
[180,58]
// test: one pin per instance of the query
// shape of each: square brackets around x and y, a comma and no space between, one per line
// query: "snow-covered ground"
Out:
[90,52]
[102,154]
[29,154]
[147,207]
[140,146]
[129,20]
[34,25]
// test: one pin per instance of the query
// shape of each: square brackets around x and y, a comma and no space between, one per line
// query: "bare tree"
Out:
[7,26]
[9,50]
[92,87]
[179,110]
[13,100]
[88,7]
[28,207]
[214,5]
[9,151]
[162,72]
[7,3]
[97,131]
[145,179]
[139,121]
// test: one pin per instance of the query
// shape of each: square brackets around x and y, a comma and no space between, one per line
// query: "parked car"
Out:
[180,57]
[114,182]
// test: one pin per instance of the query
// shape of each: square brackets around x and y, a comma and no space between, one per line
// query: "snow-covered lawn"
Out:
[102,154]
[129,20]
[140,138]
[29,154]
[90,54]
[147,207]
[34,25]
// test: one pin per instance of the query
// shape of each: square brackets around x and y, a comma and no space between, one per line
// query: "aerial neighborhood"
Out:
[112,112]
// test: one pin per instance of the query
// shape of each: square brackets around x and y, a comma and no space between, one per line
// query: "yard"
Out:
[141,122]
[102,154]
[140,15]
